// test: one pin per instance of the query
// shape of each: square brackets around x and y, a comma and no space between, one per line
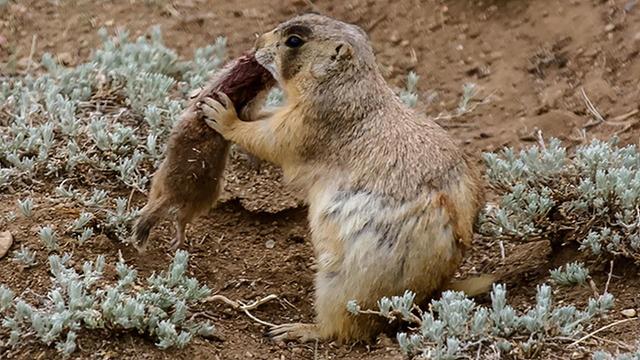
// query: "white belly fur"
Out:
[367,247]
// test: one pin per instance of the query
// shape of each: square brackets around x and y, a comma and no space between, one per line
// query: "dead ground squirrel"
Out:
[189,180]
[392,199]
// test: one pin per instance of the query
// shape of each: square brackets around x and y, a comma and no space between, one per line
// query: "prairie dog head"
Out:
[311,48]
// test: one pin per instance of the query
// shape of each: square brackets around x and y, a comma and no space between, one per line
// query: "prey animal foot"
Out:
[220,115]
[295,332]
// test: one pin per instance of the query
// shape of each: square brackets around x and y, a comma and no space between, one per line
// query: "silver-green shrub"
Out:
[456,327]
[159,307]
[570,274]
[25,257]
[591,196]
[101,124]
[409,94]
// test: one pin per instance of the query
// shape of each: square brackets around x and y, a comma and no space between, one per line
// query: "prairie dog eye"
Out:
[294,41]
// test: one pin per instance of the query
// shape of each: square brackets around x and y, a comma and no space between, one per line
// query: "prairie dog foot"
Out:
[295,331]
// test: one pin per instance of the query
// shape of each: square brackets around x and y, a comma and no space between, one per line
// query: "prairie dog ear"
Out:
[343,51]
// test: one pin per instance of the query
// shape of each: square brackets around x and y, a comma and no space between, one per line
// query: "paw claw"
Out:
[224,99]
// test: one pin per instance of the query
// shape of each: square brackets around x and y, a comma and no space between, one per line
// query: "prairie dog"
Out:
[392,199]
[189,179]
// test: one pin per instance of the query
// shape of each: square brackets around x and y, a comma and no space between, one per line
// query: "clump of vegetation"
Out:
[603,355]
[25,257]
[86,300]
[456,327]
[101,124]
[570,274]
[591,197]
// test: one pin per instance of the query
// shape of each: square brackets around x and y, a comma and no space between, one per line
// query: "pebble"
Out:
[629,313]
[270,244]
[6,240]
[609,27]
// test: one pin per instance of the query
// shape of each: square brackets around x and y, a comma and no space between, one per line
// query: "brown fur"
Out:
[392,199]
[189,179]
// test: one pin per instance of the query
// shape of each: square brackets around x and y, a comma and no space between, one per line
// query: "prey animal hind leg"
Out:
[183,217]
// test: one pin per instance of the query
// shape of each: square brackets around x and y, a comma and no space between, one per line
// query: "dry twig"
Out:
[619,322]
[238,305]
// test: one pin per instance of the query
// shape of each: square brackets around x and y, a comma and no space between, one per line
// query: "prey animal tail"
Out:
[153,212]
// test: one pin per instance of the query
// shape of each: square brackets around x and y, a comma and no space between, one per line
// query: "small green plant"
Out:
[469,92]
[82,221]
[570,274]
[85,235]
[409,95]
[24,257]
[49,238]
[26,207]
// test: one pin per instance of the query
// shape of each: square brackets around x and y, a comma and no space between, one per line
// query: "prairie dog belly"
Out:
[368,245]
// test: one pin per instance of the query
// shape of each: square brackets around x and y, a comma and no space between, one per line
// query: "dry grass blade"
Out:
[597,117]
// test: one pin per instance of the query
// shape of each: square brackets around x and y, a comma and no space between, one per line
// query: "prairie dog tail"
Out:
[153,212]
[473,286]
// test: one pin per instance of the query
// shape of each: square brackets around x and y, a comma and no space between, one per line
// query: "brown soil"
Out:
[531,58]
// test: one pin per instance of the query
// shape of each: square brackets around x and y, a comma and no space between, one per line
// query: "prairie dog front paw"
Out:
[220,115]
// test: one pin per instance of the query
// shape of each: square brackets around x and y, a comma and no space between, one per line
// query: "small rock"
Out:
[270,244]
[629,313]
[65,58]
[496,55]
[395,38]
[609,28]
[6,240]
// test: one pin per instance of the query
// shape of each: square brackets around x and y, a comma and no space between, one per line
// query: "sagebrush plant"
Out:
[25,257]
[456,327]
[591,196]
[101,124]
[159,307]
[570,274]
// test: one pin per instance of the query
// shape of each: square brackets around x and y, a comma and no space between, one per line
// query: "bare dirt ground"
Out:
[531,57]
